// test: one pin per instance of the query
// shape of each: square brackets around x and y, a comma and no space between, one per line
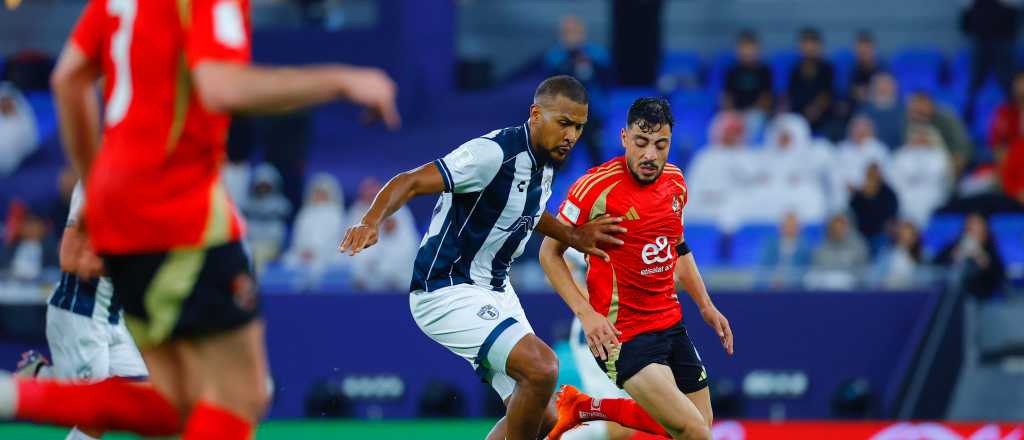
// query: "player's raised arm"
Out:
[602,336]
[584,238]
[689,276]
[426,179]
[233,88]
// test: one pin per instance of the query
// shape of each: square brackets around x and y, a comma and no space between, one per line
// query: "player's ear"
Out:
[622,135]
[535,112]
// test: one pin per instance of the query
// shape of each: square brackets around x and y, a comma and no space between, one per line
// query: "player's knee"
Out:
[693,430]
[543,370]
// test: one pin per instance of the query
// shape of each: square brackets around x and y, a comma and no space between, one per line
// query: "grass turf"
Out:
[300,430]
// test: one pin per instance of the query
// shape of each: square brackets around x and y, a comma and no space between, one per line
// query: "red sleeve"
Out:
[88,33]
[220,30]
[573,209]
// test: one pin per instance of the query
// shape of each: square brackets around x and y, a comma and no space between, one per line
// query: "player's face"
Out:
[558,124]
[646,151]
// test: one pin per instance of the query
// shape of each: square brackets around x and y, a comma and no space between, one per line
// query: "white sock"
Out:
[8,396]
[75,434]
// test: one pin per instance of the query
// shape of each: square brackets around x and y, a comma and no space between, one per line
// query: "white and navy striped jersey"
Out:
[90,298]
[495,192]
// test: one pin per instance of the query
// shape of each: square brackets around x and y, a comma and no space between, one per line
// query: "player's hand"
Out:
[373,89]
[599,231]
[720,325]
[359,237]
[602,336]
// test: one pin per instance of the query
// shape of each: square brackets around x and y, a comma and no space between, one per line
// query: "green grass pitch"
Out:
[296,430]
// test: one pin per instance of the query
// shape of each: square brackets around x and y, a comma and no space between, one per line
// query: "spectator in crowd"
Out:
[992,27]
[721,172]
[974,259]
[57,211]
[590,63]
[839,260]
[30,248]
[855,154]
[318,227]
[266,213]
[902,265]
[866,65]
[1011,172]
[922,110]
[785,257]
[748,84]
[1006,127]
[387,266]
[920,173]
[810,84]
[796,174]
[18,135]
[874,206]
[885,109]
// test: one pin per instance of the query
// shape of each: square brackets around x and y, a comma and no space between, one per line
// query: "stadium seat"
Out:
[704,241]
[748,242]
[277,279]
[918,68]
[941,230]
[985,104]
[843,61]
[694,110]
[813,234]
[619,100]
[685,66]
[1008,229]
[782,62]
[46,115]
[721,62]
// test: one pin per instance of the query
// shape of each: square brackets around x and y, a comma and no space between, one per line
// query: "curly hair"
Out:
[649,114]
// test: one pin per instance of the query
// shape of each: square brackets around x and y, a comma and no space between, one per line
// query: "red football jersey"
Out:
[636,290]
[155,184]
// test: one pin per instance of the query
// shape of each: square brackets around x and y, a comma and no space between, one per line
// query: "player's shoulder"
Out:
[598,178]
[674,174]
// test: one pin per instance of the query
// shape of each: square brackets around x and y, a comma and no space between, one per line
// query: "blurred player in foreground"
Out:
[159,216]
[632,317]
[495,189]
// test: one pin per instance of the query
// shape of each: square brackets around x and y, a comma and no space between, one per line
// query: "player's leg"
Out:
[595,383]
[534,367]
[500,429]
[689,372]
[654,390]
[702,400]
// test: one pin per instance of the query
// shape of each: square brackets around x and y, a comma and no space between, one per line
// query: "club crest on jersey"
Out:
[676,204]
[488,312]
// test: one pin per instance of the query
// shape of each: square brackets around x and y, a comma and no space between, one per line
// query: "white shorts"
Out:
[84,348]
[595,381]
[478,324]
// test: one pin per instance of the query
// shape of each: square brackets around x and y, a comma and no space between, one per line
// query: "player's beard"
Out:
[639,178]
[555,162]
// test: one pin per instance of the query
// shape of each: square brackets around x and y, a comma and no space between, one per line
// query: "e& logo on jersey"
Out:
[652,253]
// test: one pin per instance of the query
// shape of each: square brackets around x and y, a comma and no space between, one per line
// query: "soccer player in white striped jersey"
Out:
[494,191]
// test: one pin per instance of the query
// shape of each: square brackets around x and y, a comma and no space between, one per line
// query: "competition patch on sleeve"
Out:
[571,211]
[228,26]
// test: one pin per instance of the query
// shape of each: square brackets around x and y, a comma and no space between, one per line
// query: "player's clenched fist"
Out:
[359,237]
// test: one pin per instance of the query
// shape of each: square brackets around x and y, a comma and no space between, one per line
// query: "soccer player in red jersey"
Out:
[632,318]
[158,214]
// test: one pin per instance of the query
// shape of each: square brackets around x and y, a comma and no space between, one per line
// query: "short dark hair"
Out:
[810,34]
[650,113]
[562,85]
[747,36]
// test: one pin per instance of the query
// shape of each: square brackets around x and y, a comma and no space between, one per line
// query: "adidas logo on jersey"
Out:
[632,214]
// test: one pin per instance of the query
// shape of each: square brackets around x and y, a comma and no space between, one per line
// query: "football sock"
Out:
[625,412]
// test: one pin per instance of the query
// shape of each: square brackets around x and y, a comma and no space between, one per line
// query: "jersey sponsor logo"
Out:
[228,27]
[657,252]
[571,212]
[488,312]
[525,221]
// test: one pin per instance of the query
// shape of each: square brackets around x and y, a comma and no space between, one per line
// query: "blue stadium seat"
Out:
[918,68]
[985,104]
[721,62]
[619,101]
[960,69]
[694,110]
[782,62]
[748,243]
[843,61]
[1008,229]
[686,65]
[941,230]
[813,234]
[277,279]
[46,115]
[704,241]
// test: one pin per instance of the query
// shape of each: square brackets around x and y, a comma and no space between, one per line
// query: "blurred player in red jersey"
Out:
[158,213]
[632,318]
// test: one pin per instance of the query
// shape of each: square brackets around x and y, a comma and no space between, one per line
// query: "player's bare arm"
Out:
[688,274]
[394,195]
[585,238]
[73,83]
[602,336]
[237,88]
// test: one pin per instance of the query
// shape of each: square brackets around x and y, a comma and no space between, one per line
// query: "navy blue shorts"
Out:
[671,347]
